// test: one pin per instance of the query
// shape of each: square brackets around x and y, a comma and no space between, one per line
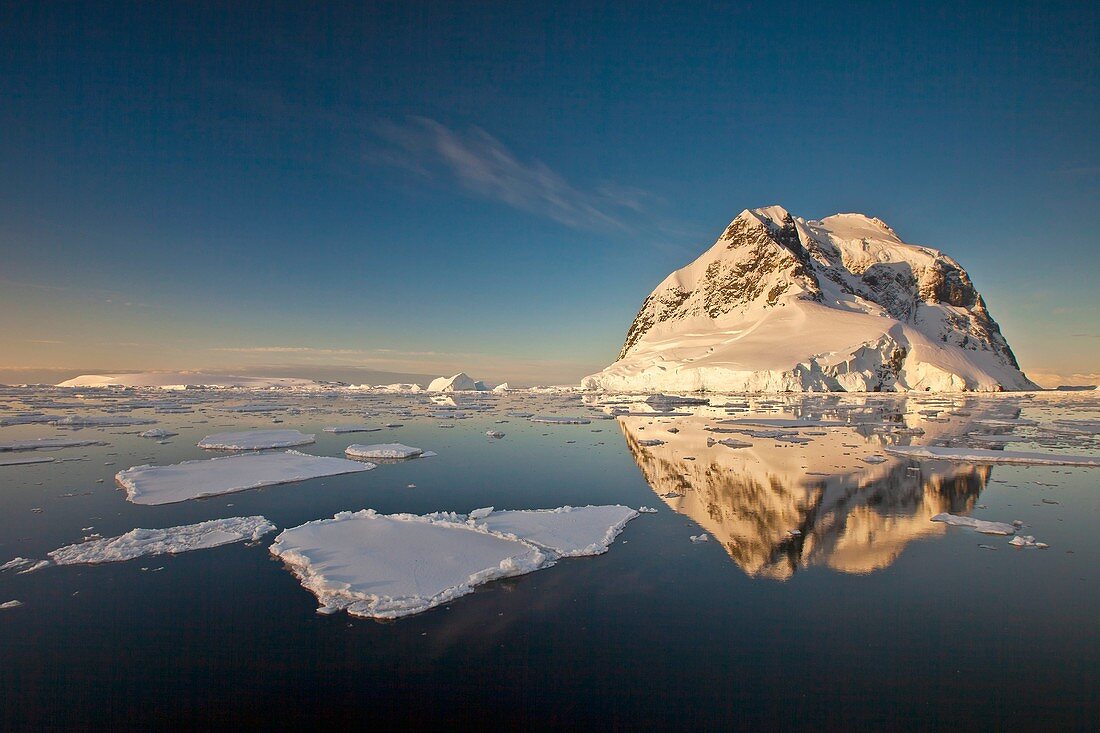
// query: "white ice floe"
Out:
[494,433]
[651,442]
[257,407]
[27,418]
[700,538]
[567,531]
[18,563]
[980,455]
[386,566]
[24,460]
[171,540]
[558,420]
[157,433]
[646,510]
[10,604]
[213,476]
[100,421]
[255,440]
[978,525]
[45,444]
[392,451]
[352,429]
[1027,540]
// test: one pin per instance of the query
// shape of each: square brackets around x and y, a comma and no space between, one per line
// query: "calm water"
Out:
[825,598]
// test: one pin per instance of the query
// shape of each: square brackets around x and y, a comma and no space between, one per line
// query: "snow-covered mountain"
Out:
[784,304]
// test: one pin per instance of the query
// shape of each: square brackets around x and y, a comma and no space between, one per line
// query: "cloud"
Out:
[484,166]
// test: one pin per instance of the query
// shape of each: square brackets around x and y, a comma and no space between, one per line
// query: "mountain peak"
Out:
[779,303]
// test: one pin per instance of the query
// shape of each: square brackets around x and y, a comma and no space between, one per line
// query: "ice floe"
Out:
[387,566]
[383,451]
[170,540]
[255,440]
[157,433]
[45,444]
[6,605]
[980,455]
[213,476]
[100,421]
[978,525]
[352,429]
[558,420]
[1027,540]
[24,460]
[567,531]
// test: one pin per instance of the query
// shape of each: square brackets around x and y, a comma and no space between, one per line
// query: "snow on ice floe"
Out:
[387,566]
[24,460]
[352,429]
[45,444]
[170,540]
[568,531]
[391,451]
[980,455]
[255,440]
[978,525]
[213,476]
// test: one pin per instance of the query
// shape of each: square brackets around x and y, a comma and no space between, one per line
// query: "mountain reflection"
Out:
[779,504]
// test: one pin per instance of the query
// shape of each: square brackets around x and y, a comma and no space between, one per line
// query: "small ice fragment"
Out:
[157,433]
[10,604]
[352,429]
[647,510]
[494,433]
[875,459]
[481,513]
[987,547]
[699,538]
[979,525]
[651,442]
[392,451]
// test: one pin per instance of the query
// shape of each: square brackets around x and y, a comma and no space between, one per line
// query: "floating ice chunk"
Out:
[213,476]
[171,540]
[567,532]
[10,604]
[28,418]
[650,442]
[979,455]
[494,433]
[387,566]
[481,513]
[157,433]
[23,460]
[18,563]
[978,525]
[875,459]
[558,420]
[1027,540]
[392,451]
[700,538]
[100,421]
[257,407]
[646,510]
[45,444]
[255,440]
[352,429]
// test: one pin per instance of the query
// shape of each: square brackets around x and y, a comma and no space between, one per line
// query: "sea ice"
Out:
[100,421]
[557,420]
[700,538]
[978,525]
[494,433]
[213,476]
[1027,540]
[171,540]
[23,460]
[979,455]
[387,566]
[566,532]
[393,451]
[352,429]
[10,604]
[255,440]
[45,443]
[157,433]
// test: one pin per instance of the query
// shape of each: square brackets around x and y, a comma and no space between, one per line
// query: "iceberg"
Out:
[460,382]
[224,475]
[255,440]
[171,540]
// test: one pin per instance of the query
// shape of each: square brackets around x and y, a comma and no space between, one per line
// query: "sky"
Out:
[495,187]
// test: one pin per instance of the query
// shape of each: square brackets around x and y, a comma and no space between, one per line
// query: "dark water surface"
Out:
[869,617]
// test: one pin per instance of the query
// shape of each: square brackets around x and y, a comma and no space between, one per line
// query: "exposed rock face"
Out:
[780,303]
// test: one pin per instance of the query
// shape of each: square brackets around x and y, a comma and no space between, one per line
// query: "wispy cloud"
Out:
[484,166]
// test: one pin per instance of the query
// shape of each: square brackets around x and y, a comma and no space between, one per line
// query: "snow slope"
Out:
[784,304]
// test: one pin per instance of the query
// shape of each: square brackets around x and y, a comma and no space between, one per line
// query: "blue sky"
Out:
[495,187]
